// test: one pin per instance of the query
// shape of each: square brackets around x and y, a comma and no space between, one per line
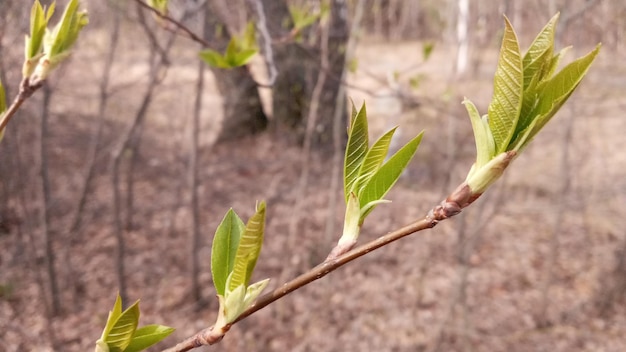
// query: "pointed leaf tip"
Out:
[508,85]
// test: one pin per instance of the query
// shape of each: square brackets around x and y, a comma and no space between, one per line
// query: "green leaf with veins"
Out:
[508,84]
[373,160]
[540,51]
[147,336]
[356,149]
[121,333]
[387,175]
[248,249]
[224,249]
[485,145]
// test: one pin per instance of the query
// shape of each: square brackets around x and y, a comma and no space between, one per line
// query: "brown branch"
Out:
[190,34]
[27,88]
[207,337]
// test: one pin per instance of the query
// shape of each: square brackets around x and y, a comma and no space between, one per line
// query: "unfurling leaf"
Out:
[123,329]
[387,175]
[224,249]
[507,90]
[356,148]
[147,336]
[485,145]
[248,250]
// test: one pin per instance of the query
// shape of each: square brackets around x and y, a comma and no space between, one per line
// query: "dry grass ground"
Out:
[520,270]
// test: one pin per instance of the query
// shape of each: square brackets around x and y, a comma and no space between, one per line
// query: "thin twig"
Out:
[261,25]
[193,36]
[205,336]
[102,105]
[27,88]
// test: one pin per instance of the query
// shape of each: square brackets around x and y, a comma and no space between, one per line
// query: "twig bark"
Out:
[205,337]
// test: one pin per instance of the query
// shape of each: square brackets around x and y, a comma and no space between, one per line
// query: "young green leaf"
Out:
[248,250]
[213,58]
[253,291]
[373,159]
[242,57]
[37,29]
[159,5]
[508,84]
[233,303]
[382,181]
[114,315]
[557,90]
[556,60]
[540,52]
[147,336]
[63,30]
[3,100]
[351,222]
[356,149]
[120,335]
[224,249]
[427,50]
[485,145]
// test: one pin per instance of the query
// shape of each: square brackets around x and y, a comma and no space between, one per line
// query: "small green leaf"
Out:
[124,328]
[242,58]
[213,58]
[159,5]
[485,145]
[508,84]
[556,91]
[248,249]
[233,303]
[373,160]
[3,101]
[356,149]
[62,30]
[554,63]
[540,52]
[38,24]
[427,50]
[224,249]
[114,314]
[382,181]
[351,222]
[253,291]
[147,336]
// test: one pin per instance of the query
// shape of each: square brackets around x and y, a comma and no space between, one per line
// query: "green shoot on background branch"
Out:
[240,50]
[120,333]
[527,94]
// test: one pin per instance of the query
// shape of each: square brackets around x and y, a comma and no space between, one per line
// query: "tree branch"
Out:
[207,337]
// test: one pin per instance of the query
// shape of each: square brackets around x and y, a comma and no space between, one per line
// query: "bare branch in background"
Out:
[97,132]
[55,307]
[194,257]
[266,40]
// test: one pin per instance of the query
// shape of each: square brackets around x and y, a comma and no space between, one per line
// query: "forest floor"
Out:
[528,267]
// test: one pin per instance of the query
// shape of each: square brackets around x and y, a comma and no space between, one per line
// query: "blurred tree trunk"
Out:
[298,66]
[243,111]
